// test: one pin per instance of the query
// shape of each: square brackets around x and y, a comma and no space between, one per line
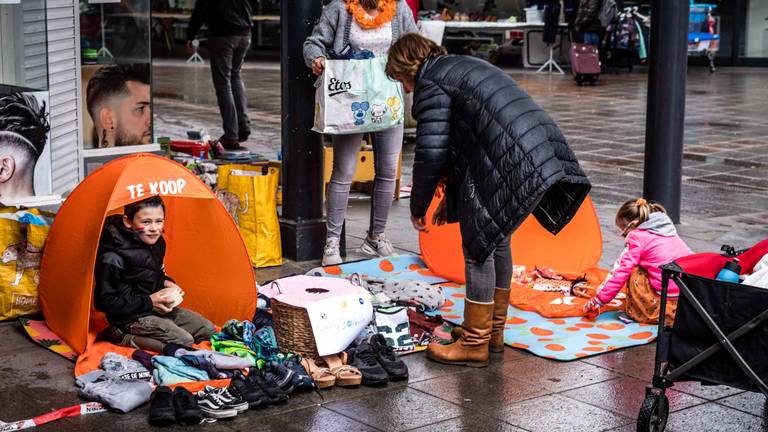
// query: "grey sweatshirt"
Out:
[332,31]
[659,223]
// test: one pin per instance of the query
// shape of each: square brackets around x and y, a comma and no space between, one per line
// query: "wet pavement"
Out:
[725,200]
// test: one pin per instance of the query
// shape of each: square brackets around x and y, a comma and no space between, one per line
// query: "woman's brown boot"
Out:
[500,308]
[471,349]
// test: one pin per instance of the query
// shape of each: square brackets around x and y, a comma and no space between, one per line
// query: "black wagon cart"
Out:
[720,333]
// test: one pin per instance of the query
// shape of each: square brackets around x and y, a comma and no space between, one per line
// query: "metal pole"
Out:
[666,104]
[302,226]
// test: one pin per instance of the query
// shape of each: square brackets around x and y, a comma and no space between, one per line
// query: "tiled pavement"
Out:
[725,200]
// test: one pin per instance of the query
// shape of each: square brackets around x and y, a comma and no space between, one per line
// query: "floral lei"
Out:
[386,13]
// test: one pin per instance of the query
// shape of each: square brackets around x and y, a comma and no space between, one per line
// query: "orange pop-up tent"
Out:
[205,253]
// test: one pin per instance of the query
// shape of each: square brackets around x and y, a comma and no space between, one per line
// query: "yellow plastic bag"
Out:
[249,196]
[22,246]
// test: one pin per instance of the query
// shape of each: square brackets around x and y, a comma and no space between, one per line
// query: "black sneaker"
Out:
[161,410]
[365,360]
[229,143]
[241,387]
[387,358]
[301,380]
[243,134]
[185,406]
[230,399]
[212,406]
[280,375]
[273,393]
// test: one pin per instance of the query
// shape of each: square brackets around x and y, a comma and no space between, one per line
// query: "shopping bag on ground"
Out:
[252,203]
[22,237]
[356,96]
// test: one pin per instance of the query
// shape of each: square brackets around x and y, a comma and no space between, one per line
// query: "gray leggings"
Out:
[495,272]
[386,151]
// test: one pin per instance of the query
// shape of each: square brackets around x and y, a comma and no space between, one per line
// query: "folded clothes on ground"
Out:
[120,366]
[122,395]
[404,292]
[170,370]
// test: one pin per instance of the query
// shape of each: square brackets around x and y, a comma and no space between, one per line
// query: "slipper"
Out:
[346,375]
[322,376]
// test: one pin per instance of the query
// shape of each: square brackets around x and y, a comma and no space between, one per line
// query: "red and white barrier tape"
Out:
[73,411]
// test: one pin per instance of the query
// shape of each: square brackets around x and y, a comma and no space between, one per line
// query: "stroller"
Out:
[720,334]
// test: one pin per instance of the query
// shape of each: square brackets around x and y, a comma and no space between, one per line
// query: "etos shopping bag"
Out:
[355,96]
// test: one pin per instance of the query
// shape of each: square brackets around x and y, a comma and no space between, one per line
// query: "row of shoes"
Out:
[261,387]
[377,361]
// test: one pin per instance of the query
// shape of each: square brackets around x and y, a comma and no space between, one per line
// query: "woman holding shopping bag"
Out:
[356,25]
[501,157]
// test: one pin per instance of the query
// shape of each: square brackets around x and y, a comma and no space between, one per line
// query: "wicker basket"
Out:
[293,329]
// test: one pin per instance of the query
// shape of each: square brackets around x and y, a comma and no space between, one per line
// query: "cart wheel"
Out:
[653,414]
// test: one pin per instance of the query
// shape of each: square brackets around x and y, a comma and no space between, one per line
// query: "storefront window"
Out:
[116,73]
[25,116]
[754,31]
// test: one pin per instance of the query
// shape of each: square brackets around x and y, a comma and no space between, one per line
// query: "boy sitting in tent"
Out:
[132,289]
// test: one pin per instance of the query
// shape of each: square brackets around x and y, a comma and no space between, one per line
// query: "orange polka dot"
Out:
[516,321]
[582,325]
[611,326]
[415,267]
[519,345]
[544,340]
[554,347]
[584,319]
[386,265]
[541,332]
[593,349]
[458,295]
[574,329]
[557,321]
[333,270]
[446,309]
[595,342]
[648,325]
[641,335]
[580,355]
[425,272]
[448,303]
[598,336]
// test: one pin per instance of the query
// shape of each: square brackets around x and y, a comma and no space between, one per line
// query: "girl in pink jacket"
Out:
[652,241]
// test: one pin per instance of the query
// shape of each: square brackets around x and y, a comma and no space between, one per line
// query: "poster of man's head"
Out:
[117,98]
[25,159]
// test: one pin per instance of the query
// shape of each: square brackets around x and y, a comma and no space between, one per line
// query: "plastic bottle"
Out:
[730,272]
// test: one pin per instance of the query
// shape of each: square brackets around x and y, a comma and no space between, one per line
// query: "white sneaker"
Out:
[331,254]
[378,247]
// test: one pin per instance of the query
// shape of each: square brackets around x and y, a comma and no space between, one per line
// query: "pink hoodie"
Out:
[654,243]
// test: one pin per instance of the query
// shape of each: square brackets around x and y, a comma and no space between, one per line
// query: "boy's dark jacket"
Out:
[128,271]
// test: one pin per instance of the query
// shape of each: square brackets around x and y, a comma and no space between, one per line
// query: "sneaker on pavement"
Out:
[230,399]
[272,392]
[301,380]
[212,406]
[387,358]
[185,406]
[280,375]
[241,387]
[378,247]
[331,254]
[364,359]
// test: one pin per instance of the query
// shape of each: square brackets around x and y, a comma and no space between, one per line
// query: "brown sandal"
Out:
[346,375]
[322,376]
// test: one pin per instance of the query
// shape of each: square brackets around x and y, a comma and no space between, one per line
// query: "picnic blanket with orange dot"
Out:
[554,338]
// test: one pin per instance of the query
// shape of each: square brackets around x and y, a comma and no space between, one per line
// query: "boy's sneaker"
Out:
[185,406]
[387,358]
[331,254]
[301,380]
[230,400]
[280,375]
[241,387]
[270,389]
[378,247]
[161,408]
[364,359]
[213,406]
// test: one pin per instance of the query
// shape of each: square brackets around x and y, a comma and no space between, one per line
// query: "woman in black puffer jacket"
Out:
[502,158]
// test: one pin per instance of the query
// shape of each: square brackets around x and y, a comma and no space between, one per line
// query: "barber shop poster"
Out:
[25,149]
[118,108]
